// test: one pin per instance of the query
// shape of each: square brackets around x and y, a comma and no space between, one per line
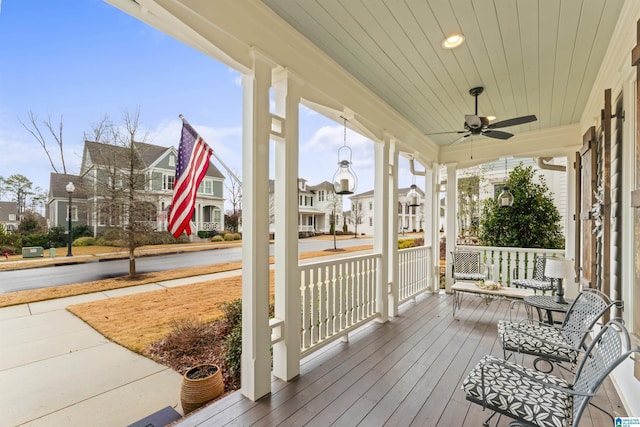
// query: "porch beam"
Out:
[256,124]
[286,353]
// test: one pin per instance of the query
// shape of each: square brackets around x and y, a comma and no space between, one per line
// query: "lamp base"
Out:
[560,293]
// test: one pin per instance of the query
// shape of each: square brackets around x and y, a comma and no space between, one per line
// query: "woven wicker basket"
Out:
[197,392]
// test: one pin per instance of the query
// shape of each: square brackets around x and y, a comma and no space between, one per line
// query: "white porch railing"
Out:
[414,272]
[337,297]
[505,264]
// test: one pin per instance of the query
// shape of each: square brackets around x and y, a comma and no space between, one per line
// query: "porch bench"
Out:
[511,293]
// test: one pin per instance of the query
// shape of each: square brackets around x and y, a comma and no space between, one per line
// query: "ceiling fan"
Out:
[478,125]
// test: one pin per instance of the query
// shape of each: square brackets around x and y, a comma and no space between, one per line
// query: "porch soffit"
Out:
[383,59]
[231,31]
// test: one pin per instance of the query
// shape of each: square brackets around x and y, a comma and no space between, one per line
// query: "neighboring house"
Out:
[103,169]
[410,218]
[9,217]
[316,205]
[58,204]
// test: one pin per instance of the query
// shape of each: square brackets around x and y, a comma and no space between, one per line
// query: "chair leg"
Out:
[487,422]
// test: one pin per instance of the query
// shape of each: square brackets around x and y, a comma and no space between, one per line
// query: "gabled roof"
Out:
[145,155]
[58,183]
[7,208]
[324,185]
[149,152]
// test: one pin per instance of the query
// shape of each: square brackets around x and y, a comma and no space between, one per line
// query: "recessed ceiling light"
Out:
[452,41]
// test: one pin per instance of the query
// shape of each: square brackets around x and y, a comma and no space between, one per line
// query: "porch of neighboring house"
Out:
[407,371]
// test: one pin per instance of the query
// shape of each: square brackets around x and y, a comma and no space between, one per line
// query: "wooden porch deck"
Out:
[406,372]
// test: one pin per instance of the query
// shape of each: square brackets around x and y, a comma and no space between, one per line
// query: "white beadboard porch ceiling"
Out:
[532,56]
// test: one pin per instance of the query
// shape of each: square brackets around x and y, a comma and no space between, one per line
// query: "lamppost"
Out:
[70,189]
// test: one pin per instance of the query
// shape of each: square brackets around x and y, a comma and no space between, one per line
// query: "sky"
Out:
[76,62]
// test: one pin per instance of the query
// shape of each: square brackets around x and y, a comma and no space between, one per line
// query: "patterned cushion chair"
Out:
[538,281]
[533,398]
[556,344]
[467,266]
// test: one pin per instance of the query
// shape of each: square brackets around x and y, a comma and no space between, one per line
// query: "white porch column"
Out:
[431,229]
[256,125]
[286,353]
[391,174]
[451,229]
[381,224]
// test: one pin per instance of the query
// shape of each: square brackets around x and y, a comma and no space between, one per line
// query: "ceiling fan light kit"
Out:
[479,125]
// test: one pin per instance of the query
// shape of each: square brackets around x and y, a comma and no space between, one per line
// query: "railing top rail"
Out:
[511,249]
[335,261]
[414,248]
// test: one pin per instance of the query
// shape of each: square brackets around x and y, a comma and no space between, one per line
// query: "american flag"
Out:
[193,161]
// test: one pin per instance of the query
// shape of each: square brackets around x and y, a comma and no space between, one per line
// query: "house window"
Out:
[370,206]
[172,160]
[74,213]
[12,217]
[216,215]
[167,182]
[370,222]
[300,201]
[207,186]
[321,196]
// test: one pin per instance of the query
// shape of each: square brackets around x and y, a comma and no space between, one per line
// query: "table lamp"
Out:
[559,269]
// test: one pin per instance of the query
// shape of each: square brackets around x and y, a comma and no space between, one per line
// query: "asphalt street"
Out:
[11,281]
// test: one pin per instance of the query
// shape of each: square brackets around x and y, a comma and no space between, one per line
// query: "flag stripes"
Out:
[194,156]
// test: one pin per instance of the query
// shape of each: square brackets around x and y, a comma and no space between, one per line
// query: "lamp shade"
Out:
[559,268]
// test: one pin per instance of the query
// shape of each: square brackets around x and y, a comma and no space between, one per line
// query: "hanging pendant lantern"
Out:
[344,180]
[505,198]
[413,198]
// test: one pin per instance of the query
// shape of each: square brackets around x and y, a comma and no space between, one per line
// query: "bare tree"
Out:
[234,194]
[34,129]
[334,202]
[120,180]
[356,215]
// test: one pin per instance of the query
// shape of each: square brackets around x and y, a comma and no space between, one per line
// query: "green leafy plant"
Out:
[84,241]
[532,222]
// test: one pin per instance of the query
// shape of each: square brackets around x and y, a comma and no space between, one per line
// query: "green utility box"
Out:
[52,252]
[33,252]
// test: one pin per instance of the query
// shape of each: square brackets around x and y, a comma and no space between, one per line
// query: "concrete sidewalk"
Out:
[55,370]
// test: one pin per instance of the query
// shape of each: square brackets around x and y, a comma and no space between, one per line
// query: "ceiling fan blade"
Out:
[513,122]
[497,134]
[459,140]
[443,133]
